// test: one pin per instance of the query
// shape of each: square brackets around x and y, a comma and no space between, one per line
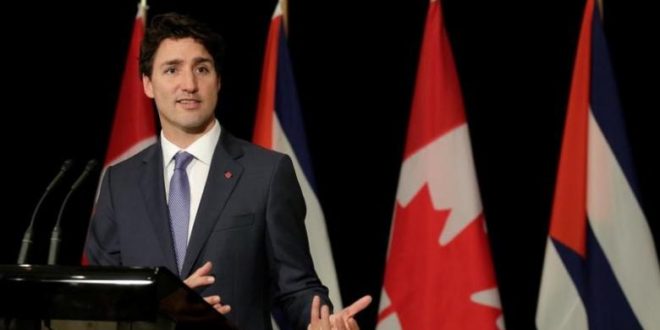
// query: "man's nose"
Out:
[189,82]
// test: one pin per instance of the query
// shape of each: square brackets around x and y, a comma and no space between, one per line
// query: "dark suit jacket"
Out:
[250,224]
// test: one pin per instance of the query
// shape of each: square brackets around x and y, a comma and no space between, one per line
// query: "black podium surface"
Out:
[103,294]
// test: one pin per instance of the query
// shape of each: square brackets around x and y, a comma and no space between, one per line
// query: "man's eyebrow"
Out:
[199,60]
[171,62]
[196,61]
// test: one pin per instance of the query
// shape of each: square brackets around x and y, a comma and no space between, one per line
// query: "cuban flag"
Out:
[601,269]
[279,126]
[439,272]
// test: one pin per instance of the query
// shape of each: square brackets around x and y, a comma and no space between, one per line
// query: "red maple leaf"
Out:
[430,285]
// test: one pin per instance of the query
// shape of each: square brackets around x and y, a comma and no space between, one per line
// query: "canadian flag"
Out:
[134,126]
[439,273]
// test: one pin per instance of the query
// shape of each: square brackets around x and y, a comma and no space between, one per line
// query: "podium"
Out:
[153,297]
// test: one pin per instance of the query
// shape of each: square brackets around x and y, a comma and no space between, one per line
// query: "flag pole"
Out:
[284,5]
[142,10]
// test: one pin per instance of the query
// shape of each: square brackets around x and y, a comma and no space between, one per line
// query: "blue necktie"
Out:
[179,205]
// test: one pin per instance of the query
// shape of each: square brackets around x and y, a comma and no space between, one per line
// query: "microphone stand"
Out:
[27,237]
[55,236]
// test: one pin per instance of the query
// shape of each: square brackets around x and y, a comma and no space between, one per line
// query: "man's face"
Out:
[184,85]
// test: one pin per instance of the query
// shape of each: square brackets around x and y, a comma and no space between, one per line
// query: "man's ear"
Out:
[147,86]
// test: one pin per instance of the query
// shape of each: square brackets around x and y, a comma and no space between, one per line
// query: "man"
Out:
[203,202]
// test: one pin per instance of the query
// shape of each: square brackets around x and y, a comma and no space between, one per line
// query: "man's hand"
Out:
[320,318]
[201,278]
[344,319]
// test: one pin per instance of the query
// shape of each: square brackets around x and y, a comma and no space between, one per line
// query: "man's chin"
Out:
[197,127]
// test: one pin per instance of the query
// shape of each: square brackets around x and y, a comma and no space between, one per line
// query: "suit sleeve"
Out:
[102,246]
[290,261]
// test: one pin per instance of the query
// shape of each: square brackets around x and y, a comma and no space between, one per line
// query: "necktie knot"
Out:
[181,160]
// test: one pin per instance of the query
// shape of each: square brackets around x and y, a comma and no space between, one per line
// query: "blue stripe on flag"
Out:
[601,294]
[287,108]
[605,103]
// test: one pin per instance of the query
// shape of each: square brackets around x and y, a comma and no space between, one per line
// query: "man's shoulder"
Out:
[254,152]
[149,153]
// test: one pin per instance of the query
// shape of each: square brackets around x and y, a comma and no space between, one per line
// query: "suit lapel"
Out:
[153,192]
[219,187]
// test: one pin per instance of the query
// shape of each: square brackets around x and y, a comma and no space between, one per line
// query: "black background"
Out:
[355,65]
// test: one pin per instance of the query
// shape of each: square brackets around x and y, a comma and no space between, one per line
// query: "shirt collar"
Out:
[202,149]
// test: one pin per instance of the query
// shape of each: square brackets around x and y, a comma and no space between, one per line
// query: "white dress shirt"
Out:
[198,169]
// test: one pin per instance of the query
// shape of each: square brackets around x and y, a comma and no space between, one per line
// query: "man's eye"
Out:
[203,69]
[170,71]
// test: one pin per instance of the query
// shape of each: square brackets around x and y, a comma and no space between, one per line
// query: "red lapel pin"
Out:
[228,174]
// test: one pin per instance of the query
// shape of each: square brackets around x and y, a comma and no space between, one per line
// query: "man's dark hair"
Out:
[178,26]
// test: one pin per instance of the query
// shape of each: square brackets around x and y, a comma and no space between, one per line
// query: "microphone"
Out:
[55,234]
[27,237]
